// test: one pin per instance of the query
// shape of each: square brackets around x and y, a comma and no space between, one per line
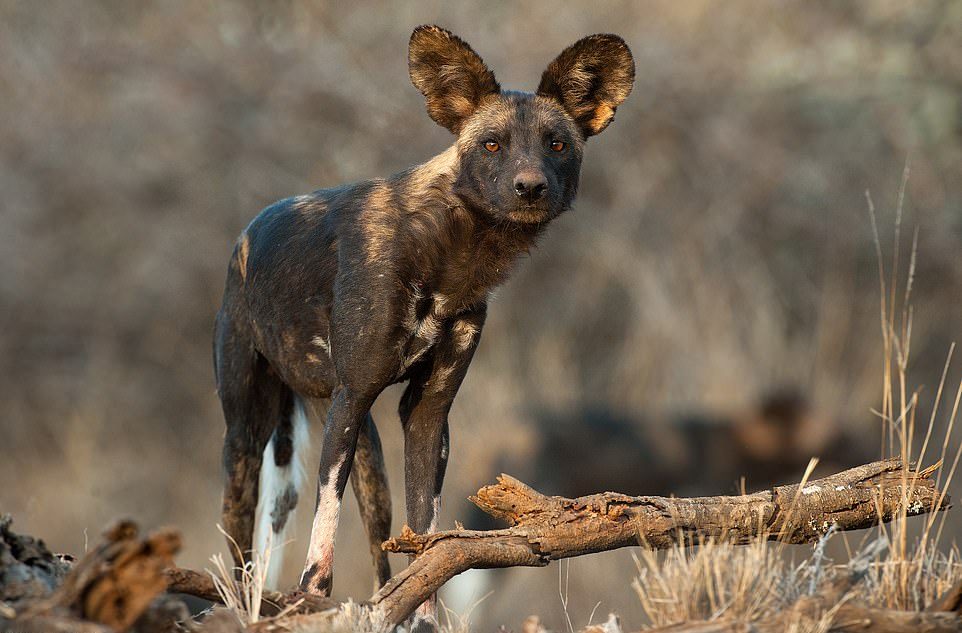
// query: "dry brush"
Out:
[132,571]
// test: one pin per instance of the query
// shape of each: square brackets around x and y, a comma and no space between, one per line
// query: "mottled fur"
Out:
[334,295]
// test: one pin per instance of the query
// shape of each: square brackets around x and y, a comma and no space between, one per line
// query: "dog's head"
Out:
[520,153]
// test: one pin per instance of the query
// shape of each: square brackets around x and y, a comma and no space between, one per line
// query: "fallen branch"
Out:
[201,585]
[549,528]
[28,569]
[107,590]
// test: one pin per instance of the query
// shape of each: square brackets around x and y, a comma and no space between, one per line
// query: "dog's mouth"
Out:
[529,214]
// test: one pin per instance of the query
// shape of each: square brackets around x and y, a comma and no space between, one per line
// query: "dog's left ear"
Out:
[450,75]
[590,79]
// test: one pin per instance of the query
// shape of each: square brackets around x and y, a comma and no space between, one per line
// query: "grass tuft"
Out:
[716,580]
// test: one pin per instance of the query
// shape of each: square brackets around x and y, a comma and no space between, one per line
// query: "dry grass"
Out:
[719,580]
[241,594]
[915,573]
[714,580]
[241,590]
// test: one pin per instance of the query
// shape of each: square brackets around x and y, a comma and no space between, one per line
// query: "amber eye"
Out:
[557,146]
[491,146]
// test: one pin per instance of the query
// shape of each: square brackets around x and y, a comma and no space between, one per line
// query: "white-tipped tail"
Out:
[279,489]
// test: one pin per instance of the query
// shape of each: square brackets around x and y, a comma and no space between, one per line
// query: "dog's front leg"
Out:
[424,415]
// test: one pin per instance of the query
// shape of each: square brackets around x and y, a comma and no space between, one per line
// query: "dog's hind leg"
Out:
[254,401]
[369,481]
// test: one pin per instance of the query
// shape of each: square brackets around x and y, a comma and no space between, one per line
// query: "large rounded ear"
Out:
[590,79]
[449,74]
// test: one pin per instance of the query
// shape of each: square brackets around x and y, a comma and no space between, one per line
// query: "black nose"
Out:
[530,185]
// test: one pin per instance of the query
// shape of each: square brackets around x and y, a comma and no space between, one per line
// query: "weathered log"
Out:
[549,528]
[54,623]
[28,569]
[201,585]
[112,585]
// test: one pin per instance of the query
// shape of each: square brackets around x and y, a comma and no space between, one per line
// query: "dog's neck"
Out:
[458,250]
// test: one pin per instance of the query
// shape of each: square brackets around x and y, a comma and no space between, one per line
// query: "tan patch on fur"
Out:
[323,343]
[495,112]
[378,221]
[243,248]
[603,115]
[428,328]
[439,380]
[439,301]
[465,333]
[309,204]
[427,174]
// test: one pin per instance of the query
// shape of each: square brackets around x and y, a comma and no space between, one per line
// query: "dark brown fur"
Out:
[342,292]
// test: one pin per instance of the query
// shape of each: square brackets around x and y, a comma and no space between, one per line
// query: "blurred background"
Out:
[710,309]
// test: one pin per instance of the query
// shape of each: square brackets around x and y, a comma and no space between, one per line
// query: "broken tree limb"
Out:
[548,528]
[201,585]
[28,569]
[108,589]
[119,579]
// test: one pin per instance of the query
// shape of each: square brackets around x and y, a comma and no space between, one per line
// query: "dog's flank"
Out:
[332,296]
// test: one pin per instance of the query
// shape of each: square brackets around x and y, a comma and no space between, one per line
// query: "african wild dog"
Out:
[334,295]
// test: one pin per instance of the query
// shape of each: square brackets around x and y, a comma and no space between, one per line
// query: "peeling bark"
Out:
[28,569]
[549,528]
[109,589]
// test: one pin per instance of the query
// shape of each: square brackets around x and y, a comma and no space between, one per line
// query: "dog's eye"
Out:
[492,146]
[557,146]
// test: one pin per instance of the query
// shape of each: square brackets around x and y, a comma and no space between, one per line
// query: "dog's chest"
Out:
[424,323]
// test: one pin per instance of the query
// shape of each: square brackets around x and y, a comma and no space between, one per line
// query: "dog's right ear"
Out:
[450,75]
